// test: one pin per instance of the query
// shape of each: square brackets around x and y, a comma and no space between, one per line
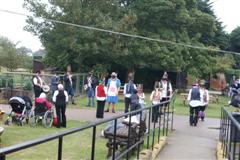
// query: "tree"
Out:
[181,21]
[8,55]
[25,57]
[235,45]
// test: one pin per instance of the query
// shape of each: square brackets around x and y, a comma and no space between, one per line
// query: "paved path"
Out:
[76,114]
[191,143]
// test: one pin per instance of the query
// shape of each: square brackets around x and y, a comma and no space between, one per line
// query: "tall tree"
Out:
[8,55]
[181,21]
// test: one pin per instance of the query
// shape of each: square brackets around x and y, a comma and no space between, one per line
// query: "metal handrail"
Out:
[14,148]
[229,135]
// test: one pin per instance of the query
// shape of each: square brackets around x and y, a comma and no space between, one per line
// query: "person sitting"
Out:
[42,99]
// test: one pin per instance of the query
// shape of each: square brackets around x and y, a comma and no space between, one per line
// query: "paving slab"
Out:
[191,143]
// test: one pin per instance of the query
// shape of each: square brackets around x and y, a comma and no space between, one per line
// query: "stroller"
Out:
[41,113]
[21,107]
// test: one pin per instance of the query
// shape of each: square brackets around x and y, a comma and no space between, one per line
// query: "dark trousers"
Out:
[193,119]
[60,110]
[155,113]
[127,102]
[164,99]
[202,108]
[37,91]
[100,109]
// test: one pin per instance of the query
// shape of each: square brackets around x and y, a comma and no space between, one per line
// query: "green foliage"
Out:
[8,56]
[187,21]
[12,57]
[235,44]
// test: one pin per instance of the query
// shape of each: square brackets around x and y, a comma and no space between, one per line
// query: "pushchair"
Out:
[41,113]
[21,107]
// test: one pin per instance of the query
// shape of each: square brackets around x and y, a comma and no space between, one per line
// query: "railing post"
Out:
[164,121]
[114,139]
[93,142]
[149,125]
[129,128]
[139,134]
[60,148]
[3,157]
[159,126]
[154,124]
[167,117]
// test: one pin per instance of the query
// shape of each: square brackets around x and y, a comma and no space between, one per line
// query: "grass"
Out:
[78,145]
[75,146]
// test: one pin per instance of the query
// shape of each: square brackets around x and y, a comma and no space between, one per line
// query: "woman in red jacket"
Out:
[101,91]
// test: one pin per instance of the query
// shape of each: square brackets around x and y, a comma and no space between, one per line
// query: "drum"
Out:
[46,88]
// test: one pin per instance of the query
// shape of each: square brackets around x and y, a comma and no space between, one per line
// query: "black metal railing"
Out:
[163,127]
[230,134]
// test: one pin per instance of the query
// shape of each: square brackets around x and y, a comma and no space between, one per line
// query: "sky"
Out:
[12,25]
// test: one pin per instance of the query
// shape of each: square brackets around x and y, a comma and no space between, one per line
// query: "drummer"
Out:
[37,84]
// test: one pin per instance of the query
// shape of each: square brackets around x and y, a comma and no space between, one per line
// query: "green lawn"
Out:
[75,146]
[213,109]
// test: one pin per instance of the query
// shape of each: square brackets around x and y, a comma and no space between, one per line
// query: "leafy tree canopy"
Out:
[184,21]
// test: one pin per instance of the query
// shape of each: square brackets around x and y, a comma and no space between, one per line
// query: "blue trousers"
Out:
[91,94]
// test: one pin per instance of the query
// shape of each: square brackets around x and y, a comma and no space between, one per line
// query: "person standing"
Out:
[128,91]
[68,79]
[90,83]
[166,88]
[113,87]
[54,83]
[37,84]
[155,98]
[205,100]
[195,101]
[101,91]
[60,98]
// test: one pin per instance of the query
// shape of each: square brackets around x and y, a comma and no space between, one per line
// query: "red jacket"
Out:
[42,100]
[100,91]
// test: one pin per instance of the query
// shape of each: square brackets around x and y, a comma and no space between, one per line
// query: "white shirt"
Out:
[125,90]
[141,98]
[164,90]
[35,81]
[155,97]
[112,90]
[56,93]
[195,103]
[205,93]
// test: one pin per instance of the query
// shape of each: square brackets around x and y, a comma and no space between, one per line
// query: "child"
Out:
[60,98]
[141,96]
[205,100]
[155,98]
[101,91]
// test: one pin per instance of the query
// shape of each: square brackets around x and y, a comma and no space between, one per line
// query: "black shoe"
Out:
[107,110]
[113,111]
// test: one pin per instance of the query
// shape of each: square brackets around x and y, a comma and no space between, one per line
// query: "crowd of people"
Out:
[107,91]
